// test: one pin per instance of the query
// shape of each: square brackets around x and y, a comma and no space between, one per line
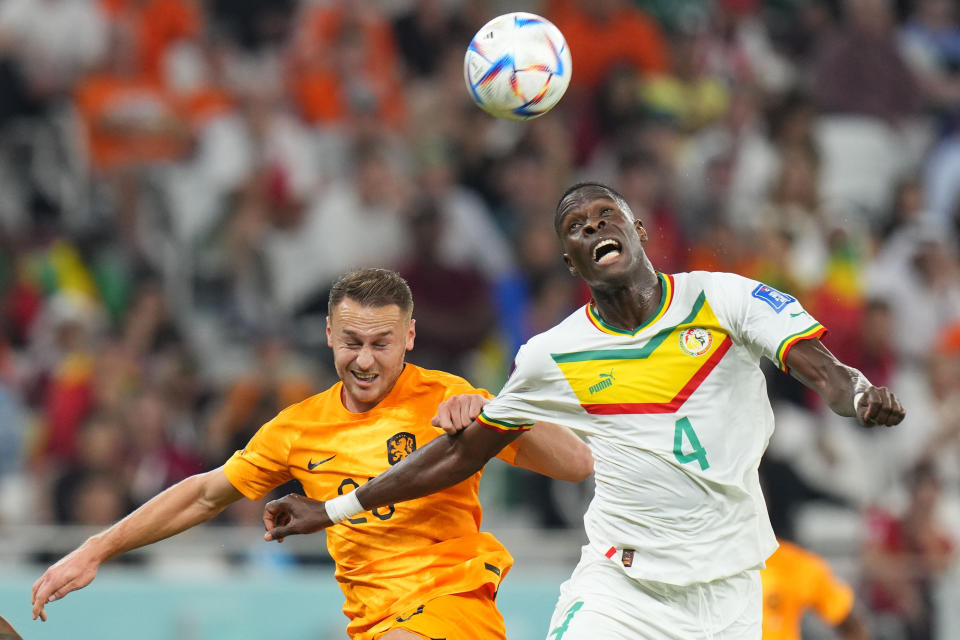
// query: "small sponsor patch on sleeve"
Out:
[776,299]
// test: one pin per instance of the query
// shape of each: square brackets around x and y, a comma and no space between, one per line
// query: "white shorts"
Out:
[601,602]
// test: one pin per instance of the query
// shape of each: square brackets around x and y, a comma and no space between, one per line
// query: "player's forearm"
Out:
[442,463]
[812,364]
[184,505]
[838,387]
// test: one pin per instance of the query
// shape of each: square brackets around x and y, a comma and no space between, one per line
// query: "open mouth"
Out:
[606,251]
[365,379]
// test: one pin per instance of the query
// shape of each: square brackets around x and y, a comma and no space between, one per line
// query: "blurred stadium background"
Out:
[181,181]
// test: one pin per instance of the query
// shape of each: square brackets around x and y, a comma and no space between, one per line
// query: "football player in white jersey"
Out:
[660,375]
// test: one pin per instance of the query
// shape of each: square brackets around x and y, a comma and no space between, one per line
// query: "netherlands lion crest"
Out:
[399,446]
[695,341]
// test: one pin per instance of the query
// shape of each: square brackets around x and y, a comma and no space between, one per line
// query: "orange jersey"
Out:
[794,581]
[396,557]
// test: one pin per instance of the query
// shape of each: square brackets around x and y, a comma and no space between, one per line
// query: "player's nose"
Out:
[365,357]
[593,225]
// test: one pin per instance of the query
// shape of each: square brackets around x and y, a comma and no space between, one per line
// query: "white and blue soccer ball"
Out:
[517,66]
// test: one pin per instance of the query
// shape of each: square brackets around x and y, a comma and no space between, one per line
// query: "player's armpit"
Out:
[555,451]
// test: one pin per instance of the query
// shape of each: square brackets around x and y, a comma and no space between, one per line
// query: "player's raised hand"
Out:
[878,406]
[457,412]
[74,571]
[293,514]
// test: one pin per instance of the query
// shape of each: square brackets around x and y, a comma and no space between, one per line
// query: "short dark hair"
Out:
[372,287]
[599,190]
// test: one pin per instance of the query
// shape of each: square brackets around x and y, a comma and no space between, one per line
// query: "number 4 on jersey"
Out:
[684,428]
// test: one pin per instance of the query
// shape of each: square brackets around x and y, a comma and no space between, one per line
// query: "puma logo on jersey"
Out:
[606,380]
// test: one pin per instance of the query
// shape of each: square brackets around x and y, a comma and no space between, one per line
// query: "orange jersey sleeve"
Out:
[794,581]
[394,557]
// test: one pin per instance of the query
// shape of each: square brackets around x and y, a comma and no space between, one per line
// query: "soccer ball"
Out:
[517,66]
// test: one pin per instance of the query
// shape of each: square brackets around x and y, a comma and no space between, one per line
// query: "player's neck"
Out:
[631,306]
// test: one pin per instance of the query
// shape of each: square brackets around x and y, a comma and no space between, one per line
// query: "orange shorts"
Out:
[459,616]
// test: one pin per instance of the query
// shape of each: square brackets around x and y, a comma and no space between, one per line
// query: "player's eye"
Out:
[574,226]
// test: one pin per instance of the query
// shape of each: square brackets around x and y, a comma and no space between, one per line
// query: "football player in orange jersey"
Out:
[418,570]
[795,581]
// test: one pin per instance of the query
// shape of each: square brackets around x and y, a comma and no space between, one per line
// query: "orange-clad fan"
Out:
[603,35]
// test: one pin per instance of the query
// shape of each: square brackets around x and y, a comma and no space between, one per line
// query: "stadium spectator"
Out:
[922,289]
[604,34]
[45,47]
[157,458]
[101,453]
[345,64]
[154,26]
[455,304]
[275,379]
[305,251]
[930,45]
[858,70]
[726,170]
[736,49]
[427,32]
[905,553]
[129,119]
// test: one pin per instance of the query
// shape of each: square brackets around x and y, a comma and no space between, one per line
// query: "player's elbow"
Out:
[580,466]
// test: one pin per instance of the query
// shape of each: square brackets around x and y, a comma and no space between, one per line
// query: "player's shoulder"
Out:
[559,336]
[417,380]
[724,289]
[713,280]
[311,406]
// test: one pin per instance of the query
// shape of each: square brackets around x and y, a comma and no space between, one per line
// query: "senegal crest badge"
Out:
[695,341]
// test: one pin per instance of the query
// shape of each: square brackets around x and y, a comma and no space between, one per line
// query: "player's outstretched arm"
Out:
[842,387]
[442,463]
[548,449]
[185,504]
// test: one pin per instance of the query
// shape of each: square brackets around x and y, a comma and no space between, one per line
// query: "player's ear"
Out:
[329,333]
[411,334]
[570,267]
[640,230]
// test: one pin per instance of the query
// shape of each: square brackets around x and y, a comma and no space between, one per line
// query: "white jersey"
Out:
[677,417]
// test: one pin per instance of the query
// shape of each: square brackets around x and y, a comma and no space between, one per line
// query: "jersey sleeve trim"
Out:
[501,426]
[816,331]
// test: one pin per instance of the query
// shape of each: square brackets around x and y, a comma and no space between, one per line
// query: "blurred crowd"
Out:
[182,180]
